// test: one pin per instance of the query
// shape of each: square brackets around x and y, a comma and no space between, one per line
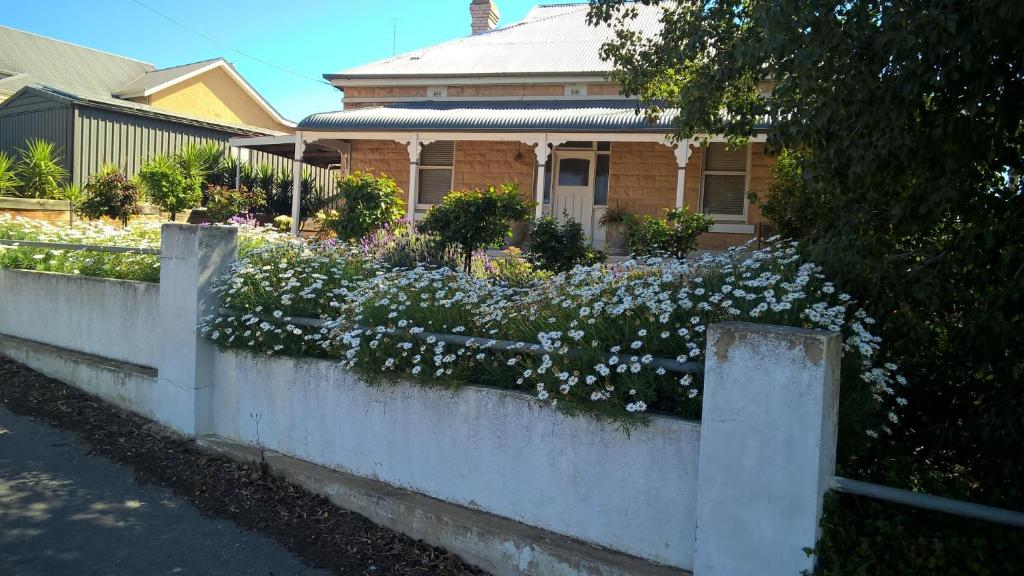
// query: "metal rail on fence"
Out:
[83,247]
[929,502]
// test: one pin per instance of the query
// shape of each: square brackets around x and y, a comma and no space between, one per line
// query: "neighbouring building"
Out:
[529,103]
[100,108]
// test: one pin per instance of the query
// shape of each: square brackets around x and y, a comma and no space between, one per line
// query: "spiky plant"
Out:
[8,176]
[40,170]
[199,161]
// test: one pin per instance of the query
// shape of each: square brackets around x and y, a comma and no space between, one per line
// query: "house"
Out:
[529,102]
[101,108]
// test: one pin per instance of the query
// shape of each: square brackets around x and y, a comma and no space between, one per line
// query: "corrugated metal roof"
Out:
[500,116]
[66,70]
[155,78]
[550,40]
[110,102]
[61,64]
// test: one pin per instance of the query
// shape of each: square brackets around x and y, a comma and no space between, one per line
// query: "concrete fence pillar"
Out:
[191,258]
[767,447]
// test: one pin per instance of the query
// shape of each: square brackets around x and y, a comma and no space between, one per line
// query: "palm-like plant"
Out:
[199,160]
[75,196]
[40,169]
[8,176]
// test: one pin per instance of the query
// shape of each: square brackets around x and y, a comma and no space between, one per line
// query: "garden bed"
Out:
[596,332]
[306,524]
[143,234]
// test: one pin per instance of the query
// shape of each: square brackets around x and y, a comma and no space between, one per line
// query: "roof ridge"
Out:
[206,61]
[52,39]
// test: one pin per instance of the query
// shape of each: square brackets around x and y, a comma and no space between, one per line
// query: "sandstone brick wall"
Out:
[383,157]
[497,91]
[484,163]
[607,89]
[642,177]
[760,180]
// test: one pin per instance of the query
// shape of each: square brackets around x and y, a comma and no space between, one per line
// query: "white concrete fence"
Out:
[505,482]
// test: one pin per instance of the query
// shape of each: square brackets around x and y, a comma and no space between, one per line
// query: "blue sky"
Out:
[311,37]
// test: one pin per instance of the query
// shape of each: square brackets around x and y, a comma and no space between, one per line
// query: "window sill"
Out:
[730,228]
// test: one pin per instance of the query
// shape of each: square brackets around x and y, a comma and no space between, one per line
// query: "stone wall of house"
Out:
[485,163]
[382,156]
[642,177]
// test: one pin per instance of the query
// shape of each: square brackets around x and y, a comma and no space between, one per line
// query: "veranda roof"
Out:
[494,116]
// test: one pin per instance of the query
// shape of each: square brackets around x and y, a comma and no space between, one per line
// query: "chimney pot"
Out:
[485,15]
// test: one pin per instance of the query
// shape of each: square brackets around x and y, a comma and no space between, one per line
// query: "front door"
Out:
[573,193]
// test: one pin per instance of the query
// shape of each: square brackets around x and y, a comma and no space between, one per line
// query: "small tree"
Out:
[559,246]
[675,235]
[368,203]
[169,187]
[224,202]
[8,176]
[40,170]
[112,194]
[476,218]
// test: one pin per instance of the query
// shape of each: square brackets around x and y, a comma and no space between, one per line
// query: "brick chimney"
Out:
[485,15]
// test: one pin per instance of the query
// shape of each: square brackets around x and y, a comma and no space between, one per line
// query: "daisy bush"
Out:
[127,266]
[594,339]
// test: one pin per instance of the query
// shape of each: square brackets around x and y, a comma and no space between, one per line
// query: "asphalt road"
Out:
[64,512]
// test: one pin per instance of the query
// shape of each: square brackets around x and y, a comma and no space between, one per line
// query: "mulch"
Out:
[308,525]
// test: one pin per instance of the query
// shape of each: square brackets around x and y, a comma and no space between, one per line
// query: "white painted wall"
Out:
[115,319]
[492,450]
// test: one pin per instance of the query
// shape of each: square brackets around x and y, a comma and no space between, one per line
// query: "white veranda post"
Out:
[413,145]
[542,151]
[682,151]
[297,184]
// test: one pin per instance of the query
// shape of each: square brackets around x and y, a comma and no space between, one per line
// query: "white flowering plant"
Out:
[143,234]
[594,339]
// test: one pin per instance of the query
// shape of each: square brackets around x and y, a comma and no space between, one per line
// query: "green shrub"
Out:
[200,161]
[865,537]
[675,235]
[368,203]
[224,202]
[261,180]
[283,223]
[9,182]
[112,194]
[514,270]
[314,197]
[401,246]
[170,186]
[40,170]
[785,192]
[475,219]
[559,247]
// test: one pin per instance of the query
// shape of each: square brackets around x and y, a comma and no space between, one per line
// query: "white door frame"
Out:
[586,217]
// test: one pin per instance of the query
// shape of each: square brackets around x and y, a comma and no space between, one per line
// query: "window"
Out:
[575,89]
[436,160]
[725,180]
[601,179]
[574,172]
[437,91]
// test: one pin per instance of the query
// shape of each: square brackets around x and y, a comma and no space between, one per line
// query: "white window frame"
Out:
[451,183]
[437,91]
[729,218]
[581,88]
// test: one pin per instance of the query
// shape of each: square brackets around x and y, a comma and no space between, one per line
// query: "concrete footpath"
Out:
[64,512]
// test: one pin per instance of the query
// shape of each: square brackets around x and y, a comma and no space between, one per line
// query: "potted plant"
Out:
[613,220]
